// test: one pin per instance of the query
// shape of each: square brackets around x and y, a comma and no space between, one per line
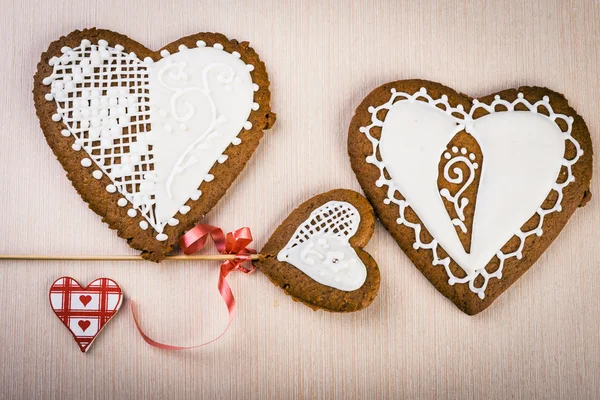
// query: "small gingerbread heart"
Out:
[85,311]
[316,254]
[151,140]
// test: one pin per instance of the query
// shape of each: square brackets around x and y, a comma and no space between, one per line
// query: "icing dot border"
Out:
[465,122]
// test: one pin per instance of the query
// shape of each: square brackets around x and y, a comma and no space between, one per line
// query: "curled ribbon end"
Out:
[236,243]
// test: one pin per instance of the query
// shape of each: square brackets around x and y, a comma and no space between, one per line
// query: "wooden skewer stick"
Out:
[218,257]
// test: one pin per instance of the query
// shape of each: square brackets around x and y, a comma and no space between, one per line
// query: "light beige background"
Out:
[539,340]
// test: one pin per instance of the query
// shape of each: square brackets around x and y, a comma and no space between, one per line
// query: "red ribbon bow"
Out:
[233,243]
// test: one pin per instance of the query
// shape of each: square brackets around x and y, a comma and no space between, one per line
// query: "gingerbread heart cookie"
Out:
[151,140]
[316,254]
[473,190]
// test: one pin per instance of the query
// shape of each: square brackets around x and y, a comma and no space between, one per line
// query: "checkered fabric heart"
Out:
[85,311]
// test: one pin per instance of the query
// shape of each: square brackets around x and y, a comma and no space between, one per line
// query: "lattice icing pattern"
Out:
[334,218]
[320,247]
[153,128]
[446,121]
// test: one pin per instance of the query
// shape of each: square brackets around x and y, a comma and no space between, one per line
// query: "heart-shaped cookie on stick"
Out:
[473,190]
[151,140]
[316,254]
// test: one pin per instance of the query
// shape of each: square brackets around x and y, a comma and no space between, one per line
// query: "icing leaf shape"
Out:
[459,173]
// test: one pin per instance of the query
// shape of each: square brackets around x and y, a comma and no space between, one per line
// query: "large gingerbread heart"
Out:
[473,190]
[316,254]
[151,140]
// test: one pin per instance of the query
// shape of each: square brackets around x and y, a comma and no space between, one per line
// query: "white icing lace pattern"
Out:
[334,218]
[102,97]
[465,120]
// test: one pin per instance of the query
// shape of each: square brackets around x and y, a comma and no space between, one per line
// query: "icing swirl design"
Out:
[177,74]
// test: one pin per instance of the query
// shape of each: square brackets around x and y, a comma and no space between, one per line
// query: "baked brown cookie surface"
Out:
[472,190]
[151,140]
[316,254]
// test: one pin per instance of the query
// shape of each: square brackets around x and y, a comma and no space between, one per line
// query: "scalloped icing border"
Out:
[466,124]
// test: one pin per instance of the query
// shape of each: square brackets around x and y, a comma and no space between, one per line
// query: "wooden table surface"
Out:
[541,339]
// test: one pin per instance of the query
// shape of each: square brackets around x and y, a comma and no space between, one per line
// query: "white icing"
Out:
[173,221]
[523,154]
[154,128]
[184,210]
[321,250]
[196,195]
[161,237]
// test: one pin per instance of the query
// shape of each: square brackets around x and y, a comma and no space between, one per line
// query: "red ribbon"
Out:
[233,243]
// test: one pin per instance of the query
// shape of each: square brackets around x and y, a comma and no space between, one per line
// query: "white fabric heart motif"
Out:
[154,128]
[523,153]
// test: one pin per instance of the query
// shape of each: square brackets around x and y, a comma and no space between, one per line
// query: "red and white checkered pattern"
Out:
[85,311]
